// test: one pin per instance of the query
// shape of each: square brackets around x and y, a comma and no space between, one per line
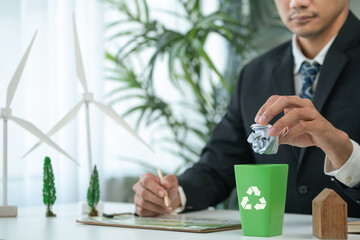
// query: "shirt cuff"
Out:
[182,202]
[348,174]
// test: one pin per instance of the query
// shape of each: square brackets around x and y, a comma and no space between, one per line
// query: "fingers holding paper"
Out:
[150,193]
[302,125]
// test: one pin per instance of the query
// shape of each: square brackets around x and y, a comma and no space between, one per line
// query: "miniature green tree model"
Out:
[93,194]
[49,192]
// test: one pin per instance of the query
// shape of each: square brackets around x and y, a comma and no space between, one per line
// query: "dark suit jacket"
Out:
[337,98]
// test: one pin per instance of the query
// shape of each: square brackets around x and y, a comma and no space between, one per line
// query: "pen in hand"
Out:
[166,198]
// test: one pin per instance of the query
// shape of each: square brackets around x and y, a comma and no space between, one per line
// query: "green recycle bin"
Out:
[261,190]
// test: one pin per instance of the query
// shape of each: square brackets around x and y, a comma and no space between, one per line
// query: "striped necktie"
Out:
[308,74]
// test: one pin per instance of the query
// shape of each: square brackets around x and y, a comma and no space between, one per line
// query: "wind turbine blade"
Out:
[16,78]
[111,113]
[35,131]
[79,63]
[65,120]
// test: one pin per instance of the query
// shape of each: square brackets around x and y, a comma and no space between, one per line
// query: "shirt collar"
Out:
[299,57]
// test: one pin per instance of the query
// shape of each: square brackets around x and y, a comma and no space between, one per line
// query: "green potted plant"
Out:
[188,64]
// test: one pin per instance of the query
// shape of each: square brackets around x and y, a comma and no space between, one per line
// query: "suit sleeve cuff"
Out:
[182,201]
[348,174]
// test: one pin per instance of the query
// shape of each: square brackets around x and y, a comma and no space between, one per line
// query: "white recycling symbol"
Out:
[245,200]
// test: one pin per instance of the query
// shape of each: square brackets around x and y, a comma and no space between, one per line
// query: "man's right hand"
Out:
[150,193]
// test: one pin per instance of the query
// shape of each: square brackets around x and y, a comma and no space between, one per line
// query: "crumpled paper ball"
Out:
[261,141]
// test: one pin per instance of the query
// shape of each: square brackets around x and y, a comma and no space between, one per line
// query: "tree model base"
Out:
[94,212]
[85,209]
[49,213]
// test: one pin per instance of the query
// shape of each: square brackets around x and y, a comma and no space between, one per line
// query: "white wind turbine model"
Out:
[5,114]
[87,98]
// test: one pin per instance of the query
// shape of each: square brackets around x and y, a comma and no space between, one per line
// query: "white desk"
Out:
[32,224]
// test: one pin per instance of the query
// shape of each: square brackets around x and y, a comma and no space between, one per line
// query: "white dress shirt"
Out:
[348,174]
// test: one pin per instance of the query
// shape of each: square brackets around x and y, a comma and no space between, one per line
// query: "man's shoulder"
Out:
[272,56]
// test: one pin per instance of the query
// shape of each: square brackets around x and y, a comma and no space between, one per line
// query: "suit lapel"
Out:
[330,71]
[336,60]
[283,77]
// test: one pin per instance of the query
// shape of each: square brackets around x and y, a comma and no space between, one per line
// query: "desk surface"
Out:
[32,224]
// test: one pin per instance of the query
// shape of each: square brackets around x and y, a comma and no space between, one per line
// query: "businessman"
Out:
[309,90]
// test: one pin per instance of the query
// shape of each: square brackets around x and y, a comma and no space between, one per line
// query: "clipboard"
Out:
[180,223]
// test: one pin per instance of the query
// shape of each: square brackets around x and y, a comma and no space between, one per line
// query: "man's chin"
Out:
[307,33]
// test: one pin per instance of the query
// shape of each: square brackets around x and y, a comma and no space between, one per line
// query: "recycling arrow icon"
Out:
[245,200]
